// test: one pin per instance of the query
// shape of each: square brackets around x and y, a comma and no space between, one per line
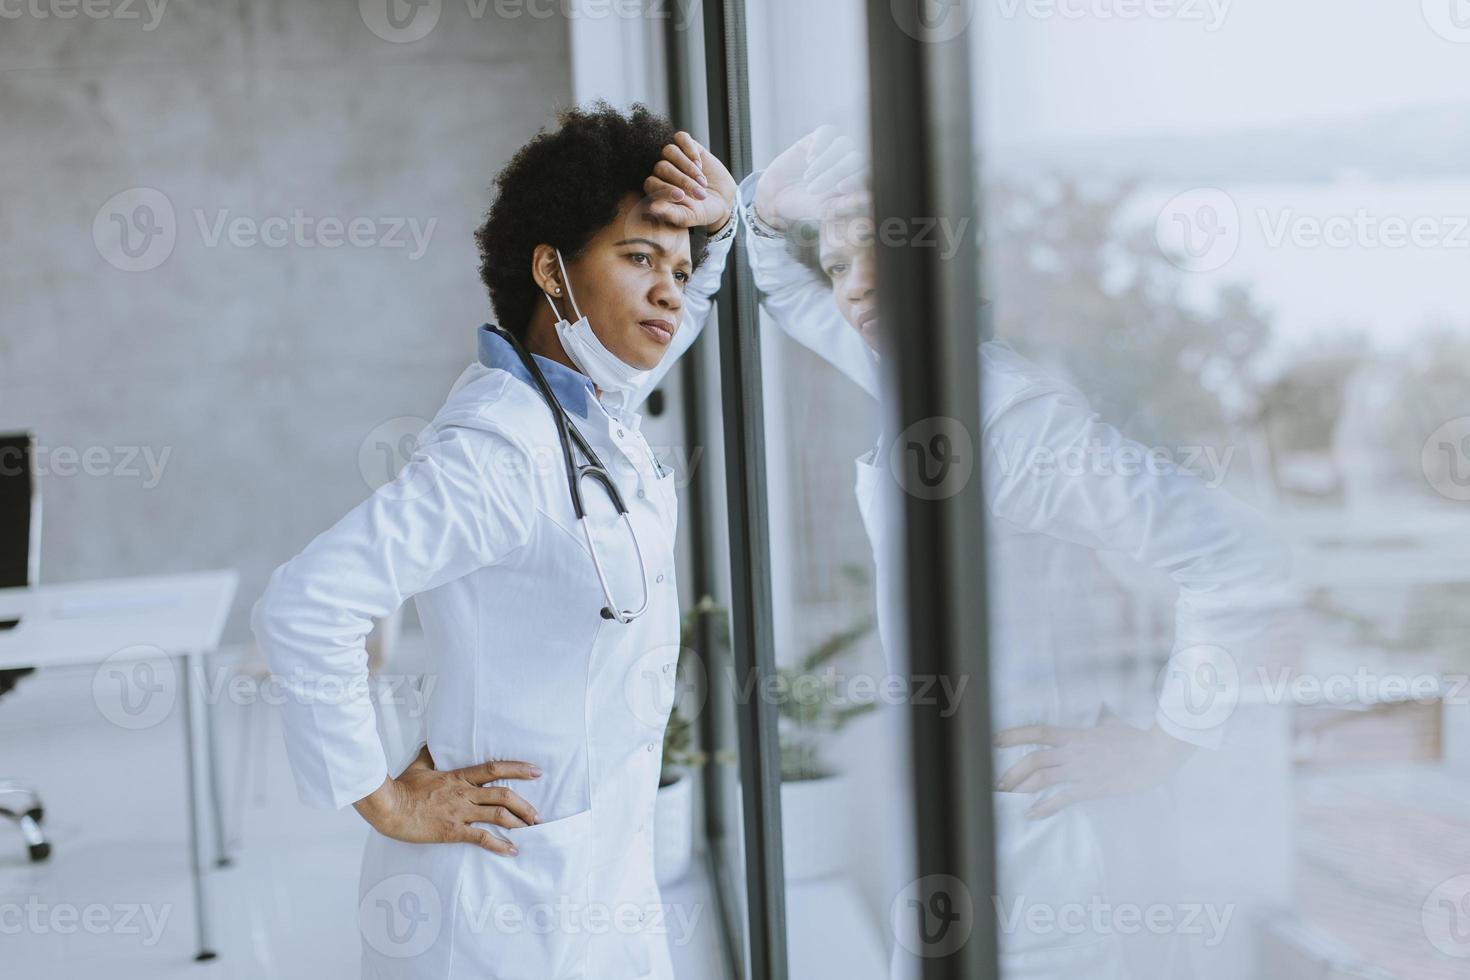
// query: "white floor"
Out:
[115,899]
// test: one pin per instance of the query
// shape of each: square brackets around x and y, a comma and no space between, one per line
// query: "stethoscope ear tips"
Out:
[607,613]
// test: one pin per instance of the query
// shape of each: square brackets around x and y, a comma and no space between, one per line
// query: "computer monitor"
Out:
[20,511]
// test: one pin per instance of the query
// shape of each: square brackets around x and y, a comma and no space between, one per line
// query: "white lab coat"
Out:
[478,528]
[1039,534]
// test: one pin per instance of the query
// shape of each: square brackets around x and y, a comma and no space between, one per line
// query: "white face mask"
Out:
[608,372]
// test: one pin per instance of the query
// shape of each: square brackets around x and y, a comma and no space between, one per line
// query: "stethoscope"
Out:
[569,435]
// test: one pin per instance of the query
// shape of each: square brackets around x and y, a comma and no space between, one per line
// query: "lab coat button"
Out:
[640,493]
[620,433]
[649,746]
[660,578]
[668,667]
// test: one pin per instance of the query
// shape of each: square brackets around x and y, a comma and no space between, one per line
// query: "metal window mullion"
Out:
[923,167]
[703,548]
[751,613]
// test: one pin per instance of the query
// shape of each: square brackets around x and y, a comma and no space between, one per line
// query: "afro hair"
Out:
[560,189]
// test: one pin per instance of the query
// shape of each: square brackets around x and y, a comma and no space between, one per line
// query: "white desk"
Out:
[130,625]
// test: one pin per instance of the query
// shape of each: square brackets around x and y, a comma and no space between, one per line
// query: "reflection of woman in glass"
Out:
[1057,745]
[519,842]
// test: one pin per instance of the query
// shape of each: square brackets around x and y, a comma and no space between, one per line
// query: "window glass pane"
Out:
[1225,476]
[845,827]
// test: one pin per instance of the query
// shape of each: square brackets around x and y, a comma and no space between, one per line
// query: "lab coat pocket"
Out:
[666,495]
[524,917]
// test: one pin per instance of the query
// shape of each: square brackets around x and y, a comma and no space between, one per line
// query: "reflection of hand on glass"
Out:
[816,174]
[1112,758]
[816,186]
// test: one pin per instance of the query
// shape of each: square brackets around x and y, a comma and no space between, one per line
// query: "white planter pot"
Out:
[814,831]
[673,830]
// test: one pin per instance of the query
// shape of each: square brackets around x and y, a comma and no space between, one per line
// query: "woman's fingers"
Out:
[673,175]
[1043,779]
[676,157]
[857,182]
[661,190]
[835,162]
[816,143]
[1060,800]
[512,810]
[691,149]
[1033,763]
[1033,735]
[665,202]
[494,813]
[489,772]
[493,843]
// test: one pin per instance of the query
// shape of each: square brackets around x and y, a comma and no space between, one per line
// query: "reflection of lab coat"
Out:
[1040,532]
[478,527]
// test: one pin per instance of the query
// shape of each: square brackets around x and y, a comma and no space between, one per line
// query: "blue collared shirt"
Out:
[566,383]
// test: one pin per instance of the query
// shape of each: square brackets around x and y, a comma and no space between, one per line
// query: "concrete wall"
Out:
[206,402]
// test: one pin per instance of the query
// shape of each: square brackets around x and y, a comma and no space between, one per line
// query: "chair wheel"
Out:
[36,813]
[40,852]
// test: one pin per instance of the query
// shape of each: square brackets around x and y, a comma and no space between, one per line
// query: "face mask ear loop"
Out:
[568,280]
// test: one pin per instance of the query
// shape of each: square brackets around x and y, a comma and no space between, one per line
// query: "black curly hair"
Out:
[561,188]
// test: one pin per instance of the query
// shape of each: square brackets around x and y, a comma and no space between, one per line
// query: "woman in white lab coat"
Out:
[516,844]
[1056,745]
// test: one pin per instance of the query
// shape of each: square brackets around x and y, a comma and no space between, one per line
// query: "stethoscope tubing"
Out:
[568,434]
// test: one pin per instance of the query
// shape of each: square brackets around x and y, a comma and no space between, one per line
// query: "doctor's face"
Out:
[847,257]
[629,282]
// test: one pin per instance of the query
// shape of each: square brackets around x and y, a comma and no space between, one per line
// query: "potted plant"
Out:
[811,709]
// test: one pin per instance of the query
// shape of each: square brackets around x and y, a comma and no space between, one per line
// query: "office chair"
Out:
[20,565]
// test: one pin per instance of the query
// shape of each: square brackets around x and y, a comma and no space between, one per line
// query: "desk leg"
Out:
[211,762]
[201,907]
